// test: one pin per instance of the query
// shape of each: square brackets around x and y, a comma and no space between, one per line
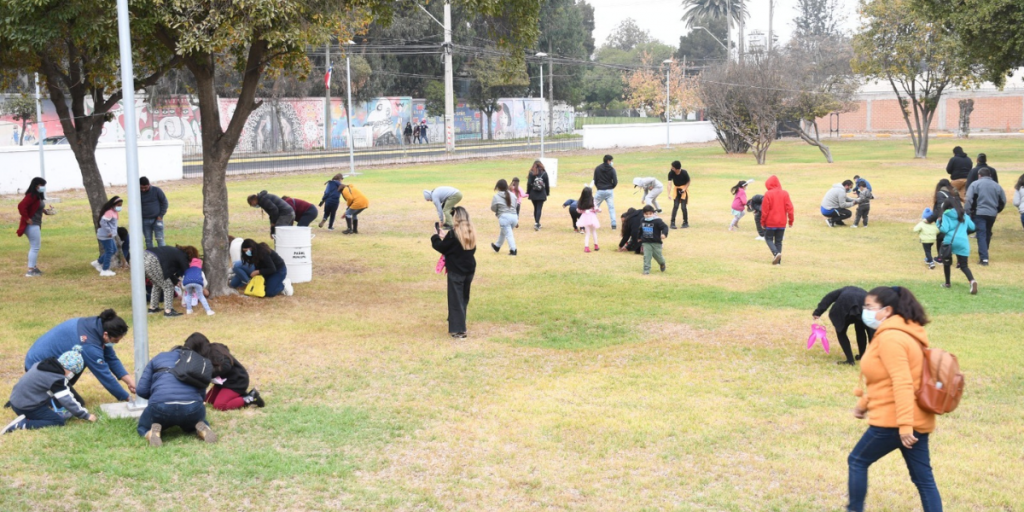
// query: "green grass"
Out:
[583,385]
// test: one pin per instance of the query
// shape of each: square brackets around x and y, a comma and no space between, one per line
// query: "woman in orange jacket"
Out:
[356,202]
[891,369]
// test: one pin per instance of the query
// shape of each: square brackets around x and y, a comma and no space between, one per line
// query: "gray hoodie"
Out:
[1018,199]
[985,197]
[836,198]
[42,382]
[499,207]
[438,196]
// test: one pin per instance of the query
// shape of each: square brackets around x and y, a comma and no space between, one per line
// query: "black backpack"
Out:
[192,369]
[538,183]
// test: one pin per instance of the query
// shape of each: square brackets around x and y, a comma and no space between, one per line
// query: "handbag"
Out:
[946,250]
[257,287]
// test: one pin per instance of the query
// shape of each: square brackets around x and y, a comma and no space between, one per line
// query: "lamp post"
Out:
[40,130]
[348,113]
[543,106]
[668,90]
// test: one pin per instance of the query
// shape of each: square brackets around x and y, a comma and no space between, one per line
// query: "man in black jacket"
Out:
[958,168]
[154,207]
[847,304]
[605,180]
[681,184]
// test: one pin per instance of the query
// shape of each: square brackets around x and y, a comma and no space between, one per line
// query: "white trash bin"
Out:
[295,246]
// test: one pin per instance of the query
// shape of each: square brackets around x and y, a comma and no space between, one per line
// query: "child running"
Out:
[652,231]
[928,232]
[230,382]
[194,282]
[588,218]
[739,202]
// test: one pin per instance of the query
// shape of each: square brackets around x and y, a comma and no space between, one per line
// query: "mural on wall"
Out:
[287,124]
[385,118]
[11,132]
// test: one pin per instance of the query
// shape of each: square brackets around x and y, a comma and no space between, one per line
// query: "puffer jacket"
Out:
[274,206]
[955,232]
[161,386]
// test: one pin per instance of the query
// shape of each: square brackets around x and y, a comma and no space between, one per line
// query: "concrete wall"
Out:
[159,161]
[603,136]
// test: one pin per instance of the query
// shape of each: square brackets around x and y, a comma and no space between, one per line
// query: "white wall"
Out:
[159,161]
[603,136]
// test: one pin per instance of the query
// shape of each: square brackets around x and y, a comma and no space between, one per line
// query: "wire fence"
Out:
[252,162]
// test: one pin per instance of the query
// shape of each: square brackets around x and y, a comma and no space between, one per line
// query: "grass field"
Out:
[583,385]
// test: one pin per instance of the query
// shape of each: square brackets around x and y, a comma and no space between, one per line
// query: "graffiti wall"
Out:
[384,117]
[287,124]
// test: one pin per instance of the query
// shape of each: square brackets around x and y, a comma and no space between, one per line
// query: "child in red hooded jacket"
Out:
[775,208]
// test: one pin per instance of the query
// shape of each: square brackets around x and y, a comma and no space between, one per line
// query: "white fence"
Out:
[604,136]
[158,161]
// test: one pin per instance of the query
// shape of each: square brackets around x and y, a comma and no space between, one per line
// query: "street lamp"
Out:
[348,113]
[668,118]
[543,106]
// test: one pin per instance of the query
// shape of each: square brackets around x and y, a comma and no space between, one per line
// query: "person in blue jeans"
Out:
[605,181]
[105,233]
[264,261]
[154,207]
[173,403]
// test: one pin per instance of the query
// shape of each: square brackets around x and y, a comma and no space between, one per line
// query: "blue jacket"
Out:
[956,232]
[154,203]
[332,194]
[163,387]
[99,358]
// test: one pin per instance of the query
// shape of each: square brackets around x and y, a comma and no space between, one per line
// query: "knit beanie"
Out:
[72,360]
[926,213]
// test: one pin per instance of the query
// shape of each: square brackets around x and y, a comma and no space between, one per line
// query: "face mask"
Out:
[111,345]
[248,253]
[117,208]
[40,189]
[868,317]
[649,218]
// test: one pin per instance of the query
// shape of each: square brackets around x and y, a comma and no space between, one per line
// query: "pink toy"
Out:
[440,266]
[818,333]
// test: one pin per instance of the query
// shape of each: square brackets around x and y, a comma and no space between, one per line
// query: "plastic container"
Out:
[295,246]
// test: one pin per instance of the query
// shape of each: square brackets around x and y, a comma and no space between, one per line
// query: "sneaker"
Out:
[256,399]
[984,263]
[96,265]
[828,221]
[288,289]
[673,226]
[330,229]
[760,238]
[107,273]
[210,313]
[778,259]
[931,266]
[347,232]
[513,252]
[171,313]
[596,247]
[647,272]
[458,335]
[853,226]
[322,223]
[536,227]
[945,285]
[205,432]
[188,311]
[848,363]
[616,227]
[30,273]
[662,267]
[586,249]
[153,436]
[974,287]
[37,272]
[686,225]
[495,247]
[14,425]
[154,310]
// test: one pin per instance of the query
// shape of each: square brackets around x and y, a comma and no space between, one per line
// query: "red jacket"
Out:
[299,206]
[27,208]
[776,206]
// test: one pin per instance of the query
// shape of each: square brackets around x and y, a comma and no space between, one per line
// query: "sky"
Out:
[662,17]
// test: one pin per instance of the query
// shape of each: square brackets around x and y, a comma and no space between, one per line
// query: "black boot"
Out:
[355,226]
[348,222]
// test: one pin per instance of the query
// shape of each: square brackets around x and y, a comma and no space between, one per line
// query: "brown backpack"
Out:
[942,382]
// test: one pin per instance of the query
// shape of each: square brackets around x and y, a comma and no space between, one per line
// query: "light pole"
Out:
[348,113]
[40,130]
[668,90]
[543,106]
[327,96]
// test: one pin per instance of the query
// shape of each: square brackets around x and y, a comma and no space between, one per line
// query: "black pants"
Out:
[862,333]
[458,301]
[677,204]
[757,222]
[538,207]
[928,252]
[575,214]
[773,237]
[331,211]
[862,213]
[839,215]
[962,262]
[307,218]
[938,243]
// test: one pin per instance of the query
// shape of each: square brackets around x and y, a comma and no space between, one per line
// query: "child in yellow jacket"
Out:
[928,232]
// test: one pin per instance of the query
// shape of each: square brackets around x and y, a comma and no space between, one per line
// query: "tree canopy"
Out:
[991,32]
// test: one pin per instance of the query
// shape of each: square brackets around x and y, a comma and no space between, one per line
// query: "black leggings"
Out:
[960,260]
[538,207]
[575,214]
[862,333]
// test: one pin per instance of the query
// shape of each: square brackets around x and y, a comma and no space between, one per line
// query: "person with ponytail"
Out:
[954,227]
[504,206]
[32,207]
[106,234]
[891,370]
[458,247]
[97,336]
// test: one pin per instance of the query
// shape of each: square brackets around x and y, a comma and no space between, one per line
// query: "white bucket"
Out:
[295,246]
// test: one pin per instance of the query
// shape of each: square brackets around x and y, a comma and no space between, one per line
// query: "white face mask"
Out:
[40,189]
[868,317]
[117,208]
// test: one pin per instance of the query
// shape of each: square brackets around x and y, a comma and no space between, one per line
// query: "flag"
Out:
[327,77]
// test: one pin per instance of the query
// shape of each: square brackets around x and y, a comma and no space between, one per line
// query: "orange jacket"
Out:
[354,198]
[891,368]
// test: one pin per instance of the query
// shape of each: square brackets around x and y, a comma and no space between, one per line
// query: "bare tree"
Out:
[964,128]
[746,99]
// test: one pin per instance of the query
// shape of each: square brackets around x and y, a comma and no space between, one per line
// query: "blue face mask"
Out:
[868,317]
[248,253]
[40,189]
[117,208]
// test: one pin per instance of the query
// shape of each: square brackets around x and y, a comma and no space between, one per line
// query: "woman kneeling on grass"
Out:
[459,248]
[891,368]
[173,403]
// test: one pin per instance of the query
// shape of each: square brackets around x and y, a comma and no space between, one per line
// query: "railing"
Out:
[252,162]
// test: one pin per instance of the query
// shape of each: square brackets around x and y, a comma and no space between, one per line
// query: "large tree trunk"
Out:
[964,127]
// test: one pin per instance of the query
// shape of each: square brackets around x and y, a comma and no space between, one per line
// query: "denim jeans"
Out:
[274,283]
[353,214]
[1022,220]
[241,274]
[606,195]
[878,442]
[172,415]
[40,418]
[983,224]
[151,227]
[507,223]
[35,241]
[773,237]
[109,249]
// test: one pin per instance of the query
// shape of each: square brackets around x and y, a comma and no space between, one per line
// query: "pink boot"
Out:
[596,248]
[586,249]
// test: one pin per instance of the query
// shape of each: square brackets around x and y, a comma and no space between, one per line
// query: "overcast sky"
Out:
[662,17]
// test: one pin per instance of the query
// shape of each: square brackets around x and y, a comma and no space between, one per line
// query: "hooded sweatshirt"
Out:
[86,332]
[354,198]
[605,177]
[647,183]
[955,232]
[331,194]
[891,367]
[498,205]
[846,304]
[43,382]
[1018,199]
[929,231]
[274,206]
[836,198]
[776,206]
[438,196]
[959,167]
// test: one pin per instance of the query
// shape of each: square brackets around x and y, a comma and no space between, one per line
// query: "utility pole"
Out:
[771,16]
[728,31]
[348,115]
[449,85]
[40,130]
[551,88]
[668,95]
[327,96]
[543,106]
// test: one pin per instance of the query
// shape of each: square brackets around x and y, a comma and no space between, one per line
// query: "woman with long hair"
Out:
[539,188]
[458,247]
[106,232]
[891,370]
[164,267]
[32,207]
[1018,197]
[503,204]
[331,200]
[267,263]
[954,227]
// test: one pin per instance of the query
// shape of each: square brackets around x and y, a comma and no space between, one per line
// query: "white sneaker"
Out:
[288,290]
[761,238]
[107,273]
[188,311]
[12,425]
[209,313]
[853,226]
[96,265]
